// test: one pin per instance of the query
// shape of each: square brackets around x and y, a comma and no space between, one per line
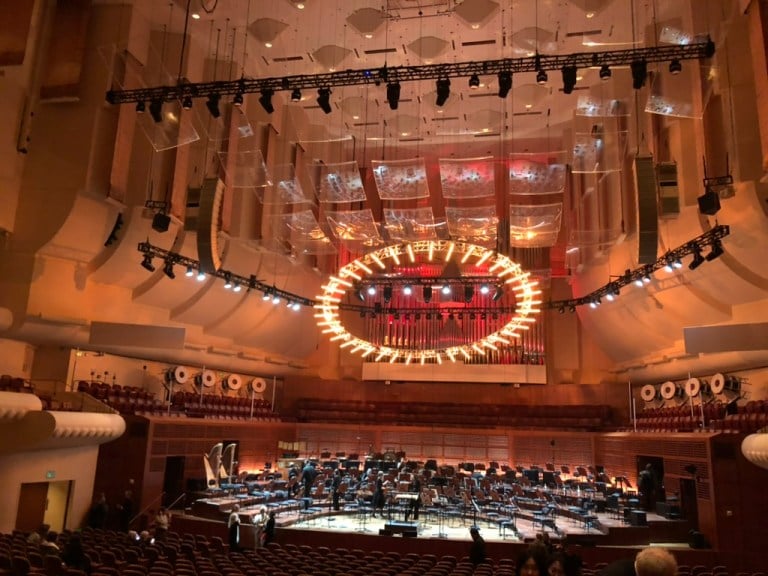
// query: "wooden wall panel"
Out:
[17,17]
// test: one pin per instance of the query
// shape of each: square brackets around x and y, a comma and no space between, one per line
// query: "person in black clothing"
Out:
[74,556]
[97,516]
[647,484]
[308,475]
[477,549]
[416,502]
[335,489]
[378,495]
[269,529]
[126,511]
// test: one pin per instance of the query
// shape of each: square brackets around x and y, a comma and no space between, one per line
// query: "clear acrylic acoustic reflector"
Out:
[400,179]
[534,226]
[339,183]
[302,231]
[675,95]
[542,173]
[467,177]
[410,224]
[354,228]
[245,169]
[478,224]
[597,151]
[285,188]
[592,105]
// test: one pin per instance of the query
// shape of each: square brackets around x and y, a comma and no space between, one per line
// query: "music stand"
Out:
[475,510]
[362,518]
[441,519]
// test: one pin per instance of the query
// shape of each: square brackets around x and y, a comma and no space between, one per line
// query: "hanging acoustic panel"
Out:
[339,183]
[467,177]
[302,232]
[245,169]
[400,179]
[354,228]
[534,226]
[410,224]
[477,224]
[285,187]
[537,173]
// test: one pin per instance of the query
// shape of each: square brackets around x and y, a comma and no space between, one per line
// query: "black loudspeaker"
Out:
[638,518]
[161,222]
[709,203]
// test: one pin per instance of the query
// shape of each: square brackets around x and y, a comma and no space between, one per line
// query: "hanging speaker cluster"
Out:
[725,388]
[177,375]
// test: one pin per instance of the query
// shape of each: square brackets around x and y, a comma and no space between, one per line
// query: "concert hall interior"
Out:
[498,262]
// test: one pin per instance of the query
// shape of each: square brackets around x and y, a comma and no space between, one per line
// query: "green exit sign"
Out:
[50,475]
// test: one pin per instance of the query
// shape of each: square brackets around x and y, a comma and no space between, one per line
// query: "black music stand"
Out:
[362,517]
[475,510]
[441,520]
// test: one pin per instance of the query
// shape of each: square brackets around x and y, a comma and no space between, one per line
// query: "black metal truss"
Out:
[356,77]
[694,246]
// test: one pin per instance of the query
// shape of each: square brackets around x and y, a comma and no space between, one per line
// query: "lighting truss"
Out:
[357,77]
[611,289]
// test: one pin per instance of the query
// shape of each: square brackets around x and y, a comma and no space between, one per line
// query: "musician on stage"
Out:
[415,504]
[378,496]
[336,488]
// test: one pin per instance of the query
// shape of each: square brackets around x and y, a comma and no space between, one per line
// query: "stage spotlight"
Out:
[200,276]
[498,294]
[569,79]
[443,91]
[716,252]
[371,290]
[140,107]
[407,290]
[605,72]
[541,77]
[571,308]
[445,290]
[469,293]
[675,67]
[213,105]
[238,100]
[146,263]
[168,269]
[595,303]
[186,103]
[296,95]
[266,100]
[156,110]
[324,99]
[267,295]
[360,293]
[227,281]
[505,83]
[561,309]
[387,293]
[426,293]
[639,73]
[393,95]
[190,272]
[237,287]
[698,259]
[474,82]
[485,289]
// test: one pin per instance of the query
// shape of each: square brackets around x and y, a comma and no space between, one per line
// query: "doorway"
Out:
[43,503]
[689,506]
[173,480]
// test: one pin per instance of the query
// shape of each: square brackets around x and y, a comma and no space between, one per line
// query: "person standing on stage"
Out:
[415,504]
[269,528]
[259,525]
[336,489]
[233,525]
[308,475]
[378,495]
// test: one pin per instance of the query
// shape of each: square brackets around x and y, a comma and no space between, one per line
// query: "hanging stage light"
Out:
[190,272]
[716,252]
[569,79]
[296,95]
[498,294]
[146,263]
[426,293]
[485,289]
[505,83]
[238,100]
[393,95]
[156,110]
[443,87]
[266,100]
[168,269]
[605,72]
[140,107]
[698,258]
[387,293]
[474,82]
[675,67]
[541,77]
[324,99]
[186,103]
[213,105]
[407,290]
[469,293]
[639,73]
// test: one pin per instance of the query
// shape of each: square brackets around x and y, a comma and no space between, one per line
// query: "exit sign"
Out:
[50,475]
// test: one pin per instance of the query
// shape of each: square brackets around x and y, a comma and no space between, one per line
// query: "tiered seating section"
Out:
[9,383]
[747,419]
[133,400]
[455,414]
[113,554]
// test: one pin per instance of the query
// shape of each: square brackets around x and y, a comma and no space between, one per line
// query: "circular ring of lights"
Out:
[509,273]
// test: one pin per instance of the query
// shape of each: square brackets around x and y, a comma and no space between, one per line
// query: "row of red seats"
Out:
[104,391]
[711,411]
[736,423]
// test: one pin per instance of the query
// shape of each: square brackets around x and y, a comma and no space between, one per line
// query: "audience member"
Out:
[259,524]
[532,562]
[233,524]
[49,543]
[126,511]
[655,561]
[269,528]
[162,523]
[477,549]
[38,535]
[74,556]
